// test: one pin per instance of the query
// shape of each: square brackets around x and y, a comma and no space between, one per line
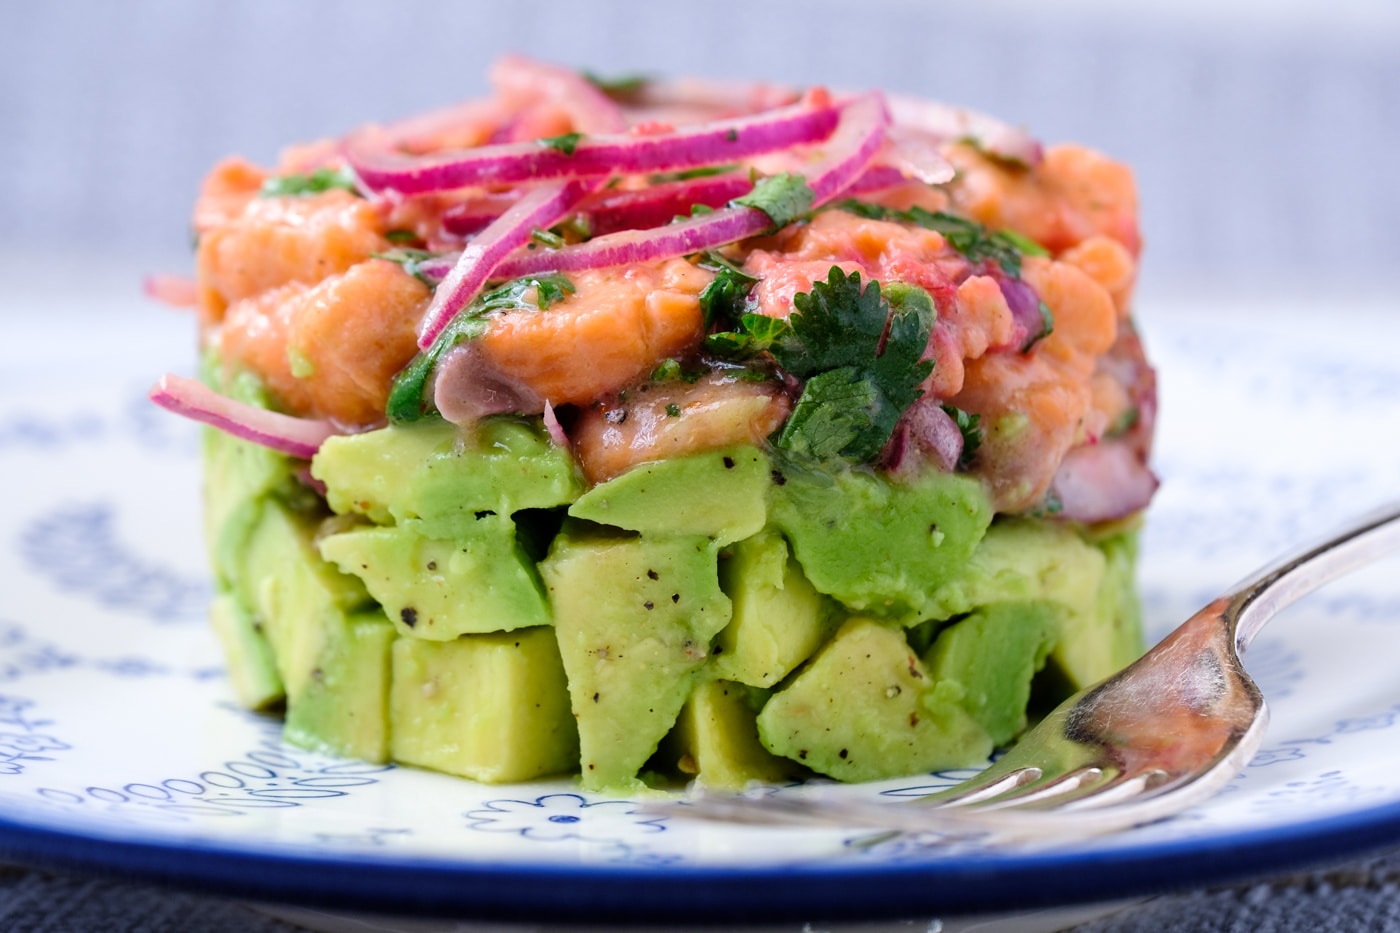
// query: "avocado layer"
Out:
[751,620]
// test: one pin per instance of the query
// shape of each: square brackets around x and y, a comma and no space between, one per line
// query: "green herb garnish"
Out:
[726,297]
[1004,247]
[546,238]
[408,396]
[704,171]
[319,181]
[859,352]
[566,143]
[970,426]
[671,370]
[401,237]
[784,198]
[411,260]
[619,88]
[673,410]
[753,334]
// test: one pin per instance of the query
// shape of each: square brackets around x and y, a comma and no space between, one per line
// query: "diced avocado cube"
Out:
[344,706]
[718,493]
[865,708]
[716,737]
[879,547]
[1119,614]
[993,654]
[251,667]
[479,581]
[238,475]
[1021,560]
[443,475]
[300,599]
[635,617]
[492,708]
[779,618]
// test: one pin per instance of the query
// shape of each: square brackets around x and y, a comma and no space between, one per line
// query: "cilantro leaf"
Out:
[784,198]
[408,399]
[970,427]
[318,182]
[566,143]
[704,171]
[754,334]
[977,244]
[411,260]
[727,295]
[624,87]
[860,353]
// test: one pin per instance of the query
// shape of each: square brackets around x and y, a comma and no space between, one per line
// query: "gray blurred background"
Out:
[1264,135]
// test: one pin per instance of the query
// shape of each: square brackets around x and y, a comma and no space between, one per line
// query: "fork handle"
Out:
[1255,600]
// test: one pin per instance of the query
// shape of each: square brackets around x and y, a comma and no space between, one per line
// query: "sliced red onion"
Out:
[733,97]
[177,291]
[917,157]
[593,156]
[298,437]
[950,124]
[466,388]
[1025,308]
[475,215]
[552,425]
[877,178]
[707,231]
[592,111]
[1102,482]
[924,432]
[611,211]
[542,207]
[852,145]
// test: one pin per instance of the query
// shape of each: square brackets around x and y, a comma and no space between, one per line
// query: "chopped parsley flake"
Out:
[317,182]
[673,410]
[784,198]
[977,244]
[970,426]
[566,143]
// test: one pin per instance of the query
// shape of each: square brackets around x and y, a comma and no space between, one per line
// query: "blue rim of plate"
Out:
[977,883]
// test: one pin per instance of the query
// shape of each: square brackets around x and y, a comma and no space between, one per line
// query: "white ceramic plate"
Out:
[121,749]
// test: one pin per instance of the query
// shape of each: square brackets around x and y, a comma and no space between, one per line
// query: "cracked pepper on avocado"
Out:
[656,429]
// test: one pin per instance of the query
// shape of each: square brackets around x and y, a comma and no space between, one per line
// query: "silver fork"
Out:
[1162,735]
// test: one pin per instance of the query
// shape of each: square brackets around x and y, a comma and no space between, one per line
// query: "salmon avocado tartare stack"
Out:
[658,430]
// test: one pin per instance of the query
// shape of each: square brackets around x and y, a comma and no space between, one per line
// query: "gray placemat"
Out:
[1361,895]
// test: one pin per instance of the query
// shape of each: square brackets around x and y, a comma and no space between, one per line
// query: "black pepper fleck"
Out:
[649,604]
[778,478]
[729,463]
[843,753]
[615,416]
[653,575]
[409,616]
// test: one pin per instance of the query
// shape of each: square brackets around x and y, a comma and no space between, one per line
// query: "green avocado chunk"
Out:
[443,476]
[330,643]
[491,707]
[252,670]
[993,654]
[719,493]
[865,708]
[634,617]
[479,581]
[1022,560]
[238,476]
[716,737]
[779,618]
[880,547]
[344,707]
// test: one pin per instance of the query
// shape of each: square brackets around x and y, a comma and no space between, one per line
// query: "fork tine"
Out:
[983,787]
